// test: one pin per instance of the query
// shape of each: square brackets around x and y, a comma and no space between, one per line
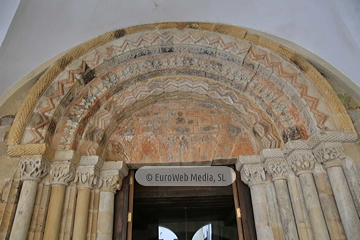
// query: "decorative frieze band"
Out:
[33,167]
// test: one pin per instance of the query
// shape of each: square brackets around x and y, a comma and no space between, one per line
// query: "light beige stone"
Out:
[24,210]
[53,221]
[81,214]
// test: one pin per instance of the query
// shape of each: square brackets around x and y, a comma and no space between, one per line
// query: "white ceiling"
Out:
[7,12]
[42,29]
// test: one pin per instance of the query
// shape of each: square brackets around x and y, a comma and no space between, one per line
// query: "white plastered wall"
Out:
[327,32]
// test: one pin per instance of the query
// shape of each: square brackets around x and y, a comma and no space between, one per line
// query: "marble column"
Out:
[331,155]
[302,163]
[254,176]
[110,180]
[61,173]
[278,169]
[32,169]
[86,176]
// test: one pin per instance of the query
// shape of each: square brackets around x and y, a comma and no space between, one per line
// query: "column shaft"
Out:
[286,211]
[327,200]
[24,210]
[312,203]
[53,221]
[274,213]
[106,216]
[260,207]
[81,214]
[344,202]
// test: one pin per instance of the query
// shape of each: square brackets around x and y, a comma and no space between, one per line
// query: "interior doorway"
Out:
[183,213]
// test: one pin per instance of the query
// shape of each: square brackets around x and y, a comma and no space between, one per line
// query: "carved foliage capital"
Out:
[252,174]
[110,181]
[62,173]
[302,161]
[87,176]
[33,167]
[330,154]
[277,168]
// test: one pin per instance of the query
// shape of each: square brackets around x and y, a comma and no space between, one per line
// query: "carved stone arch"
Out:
[306,88]
[124,103]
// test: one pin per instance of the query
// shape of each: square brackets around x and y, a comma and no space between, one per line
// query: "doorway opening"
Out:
[183,213]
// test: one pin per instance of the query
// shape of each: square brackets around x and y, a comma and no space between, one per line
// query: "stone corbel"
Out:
[111,176]
[330,154]
[88,171]
[33,167]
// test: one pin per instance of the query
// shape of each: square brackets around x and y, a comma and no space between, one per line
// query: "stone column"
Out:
[32,169]
[254,176]
[302,163]
[86,176]
[61,173]
[331,155]
[278,169]
[110,180]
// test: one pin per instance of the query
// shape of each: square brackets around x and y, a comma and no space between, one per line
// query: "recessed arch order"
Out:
[276,92]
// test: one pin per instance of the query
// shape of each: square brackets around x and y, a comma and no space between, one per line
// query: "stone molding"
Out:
[315,78]
[88,171]
[248,159]
[253,174]
[330,154]
[33,167]
[277,168]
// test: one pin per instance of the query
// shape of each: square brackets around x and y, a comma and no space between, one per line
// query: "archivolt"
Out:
[121,105]
[235,57]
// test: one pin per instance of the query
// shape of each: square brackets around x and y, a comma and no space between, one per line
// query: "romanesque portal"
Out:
[182,94]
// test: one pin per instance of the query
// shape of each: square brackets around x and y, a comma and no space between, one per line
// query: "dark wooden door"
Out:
[151,202]
[245,213]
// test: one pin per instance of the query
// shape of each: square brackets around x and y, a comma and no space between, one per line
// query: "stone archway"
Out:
[286,108]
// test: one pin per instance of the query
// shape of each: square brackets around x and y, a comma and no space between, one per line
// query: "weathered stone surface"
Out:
[173,131]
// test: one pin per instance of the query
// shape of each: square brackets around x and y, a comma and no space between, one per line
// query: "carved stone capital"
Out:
[111,176]
[88,171]
[301,161]
[110,181]
[330,154]
[33,167]
[277,168]
[61,173]
[252,174]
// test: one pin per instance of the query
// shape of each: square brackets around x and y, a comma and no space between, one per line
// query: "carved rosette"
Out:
[61,173]
[252,174]
[330,154]
[301,161]
[33,167]
[110,181]
[277,168]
